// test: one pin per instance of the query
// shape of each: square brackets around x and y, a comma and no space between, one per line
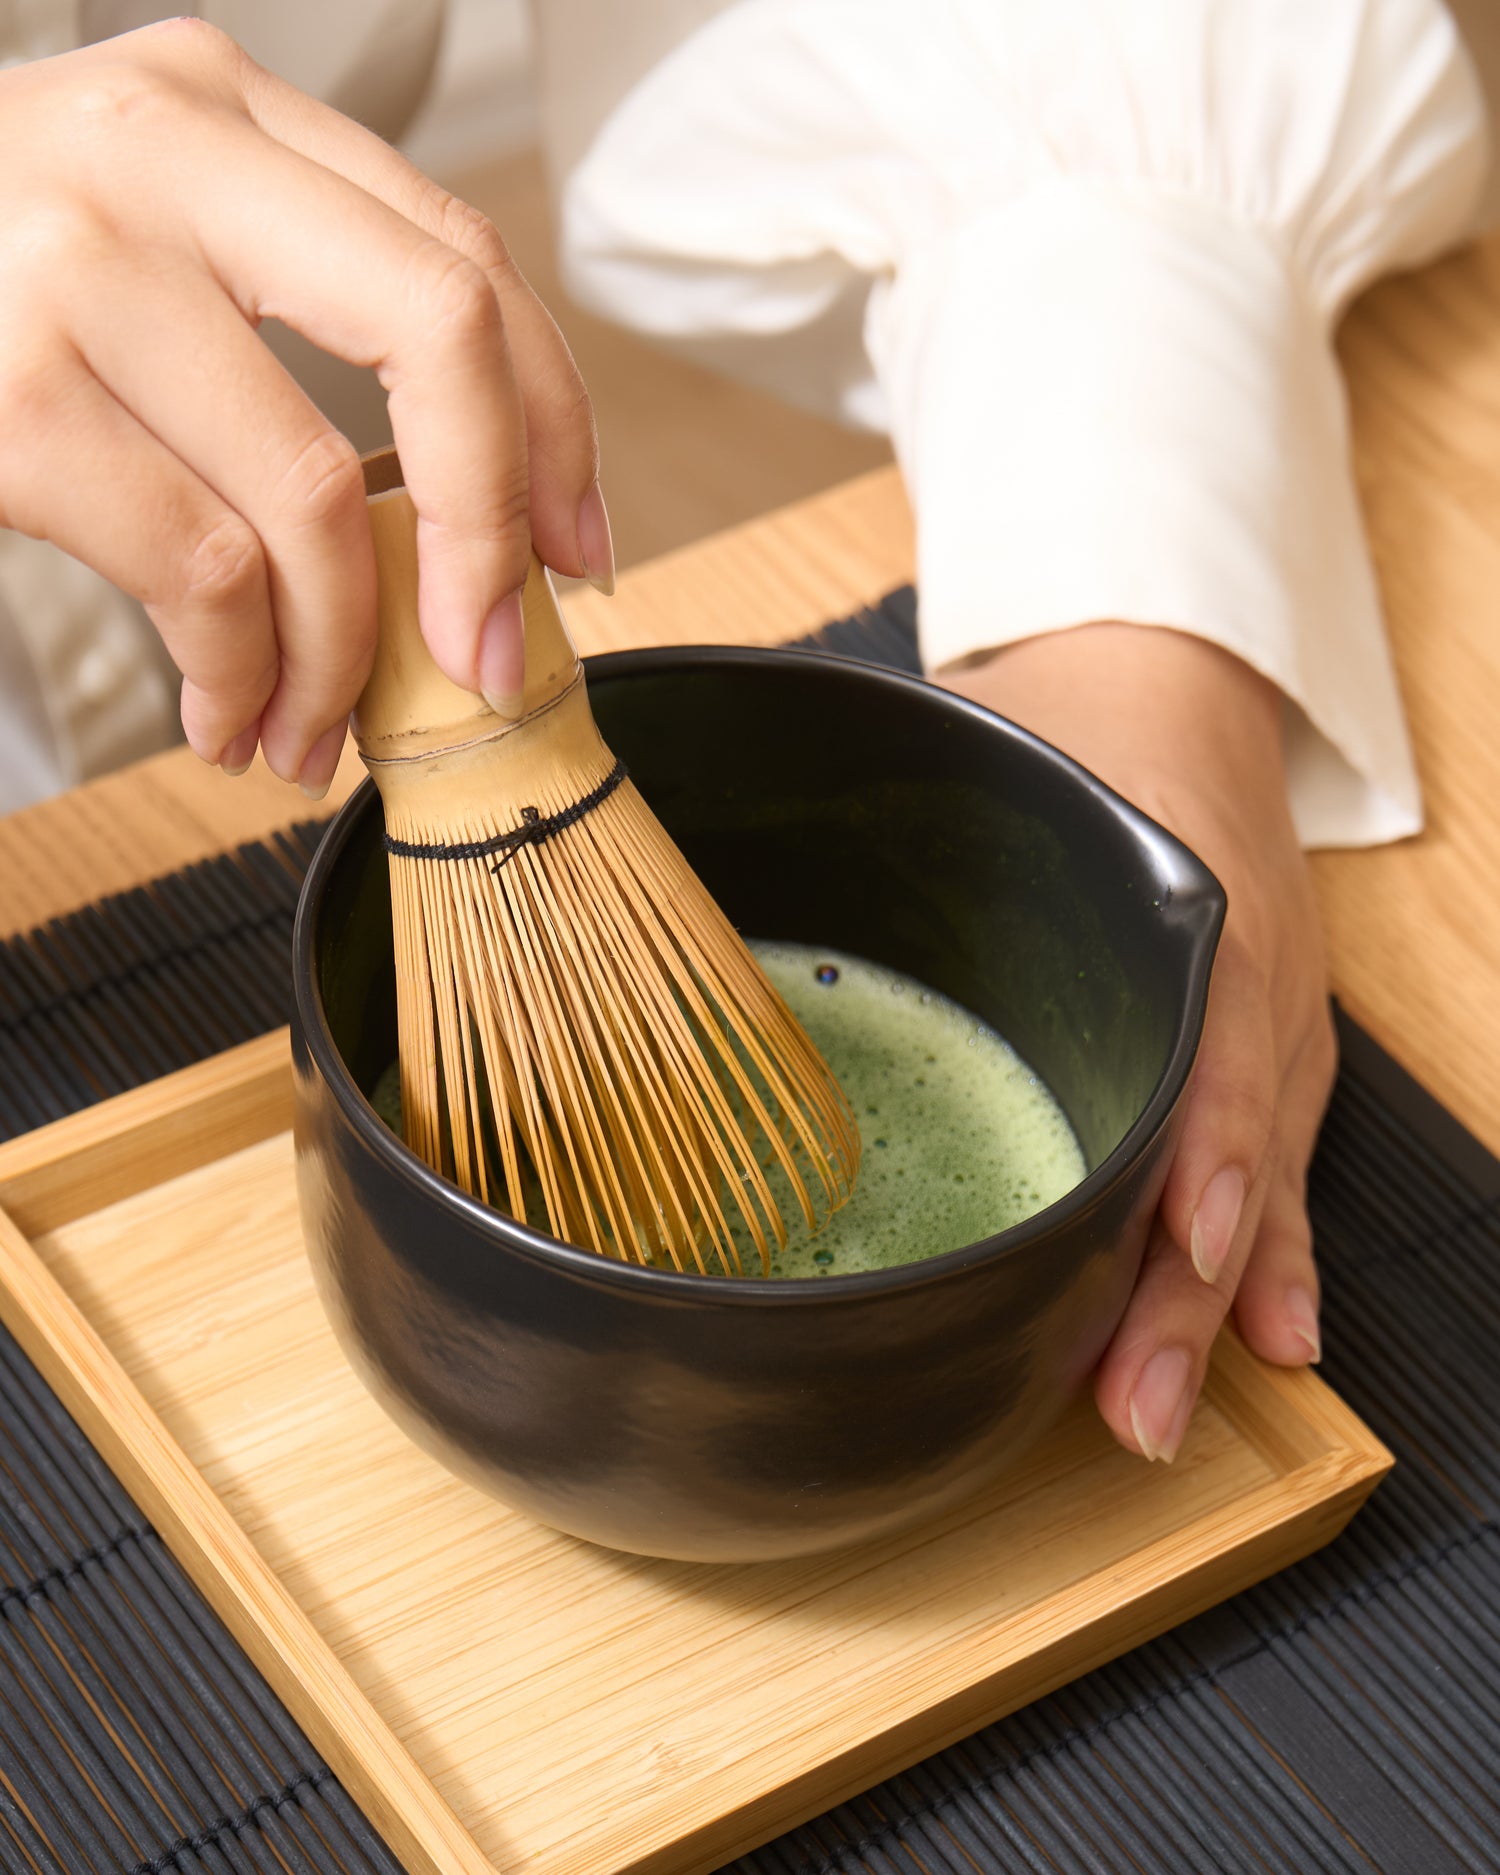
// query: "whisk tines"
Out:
[585,1040]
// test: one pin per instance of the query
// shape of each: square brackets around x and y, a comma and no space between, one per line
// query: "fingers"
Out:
[1150,1377]
[568,521]
[1209,1216]
[1229,1124]
[239,751]
[1276,1305]
[217,195]
[227,407]
[1152,1372]
[361,281]
[316,777]
[548,493]
[79,470]
[186,146]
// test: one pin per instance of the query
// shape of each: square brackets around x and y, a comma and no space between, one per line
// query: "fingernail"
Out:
[596,547]
[321,762]
[1301,1310]
[502,657]
[1215,1222]
[1162,1404]
[239,751]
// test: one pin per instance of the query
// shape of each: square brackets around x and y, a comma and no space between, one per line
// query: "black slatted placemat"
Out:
[135,1735]
[1344,1716]
[149,980]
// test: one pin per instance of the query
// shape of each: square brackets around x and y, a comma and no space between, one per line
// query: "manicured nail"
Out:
[320,763]
[502,658]
[596,547]
[239,751]
[1162,1404]
[1215,1222]
[1301,1311]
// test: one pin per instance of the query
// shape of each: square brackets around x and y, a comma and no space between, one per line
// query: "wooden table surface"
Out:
[1414,929]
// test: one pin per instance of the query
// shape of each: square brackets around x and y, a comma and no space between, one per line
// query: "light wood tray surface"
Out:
[495,1694]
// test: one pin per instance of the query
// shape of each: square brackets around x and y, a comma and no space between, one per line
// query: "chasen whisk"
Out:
[584,1038]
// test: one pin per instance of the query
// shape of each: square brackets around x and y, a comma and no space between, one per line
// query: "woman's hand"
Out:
[162,194]
[1193,736]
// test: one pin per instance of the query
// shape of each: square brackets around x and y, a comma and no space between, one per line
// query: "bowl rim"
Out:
[1193,893]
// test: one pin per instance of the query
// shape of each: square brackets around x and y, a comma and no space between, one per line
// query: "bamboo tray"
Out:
[496,1695]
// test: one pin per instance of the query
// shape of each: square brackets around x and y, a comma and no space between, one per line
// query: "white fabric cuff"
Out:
[1116,402]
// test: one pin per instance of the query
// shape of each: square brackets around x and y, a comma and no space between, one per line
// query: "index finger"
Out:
[562,445]
[347,271]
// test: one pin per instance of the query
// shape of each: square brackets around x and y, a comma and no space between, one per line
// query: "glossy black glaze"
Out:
[698,1417]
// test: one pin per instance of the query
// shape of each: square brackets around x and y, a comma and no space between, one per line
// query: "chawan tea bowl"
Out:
[828,803]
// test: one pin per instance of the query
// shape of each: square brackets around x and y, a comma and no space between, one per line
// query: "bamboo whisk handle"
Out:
[408,707]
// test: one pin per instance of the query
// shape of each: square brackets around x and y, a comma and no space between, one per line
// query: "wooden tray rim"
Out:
[1326,1458]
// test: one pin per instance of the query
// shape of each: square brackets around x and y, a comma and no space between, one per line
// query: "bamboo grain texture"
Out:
[580,1711]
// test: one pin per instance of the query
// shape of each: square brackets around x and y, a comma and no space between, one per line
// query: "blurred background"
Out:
[684,450]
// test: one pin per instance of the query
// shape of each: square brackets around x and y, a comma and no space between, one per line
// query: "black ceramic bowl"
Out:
[831,803]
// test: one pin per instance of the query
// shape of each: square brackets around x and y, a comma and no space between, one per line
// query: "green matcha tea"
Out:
[961,1139]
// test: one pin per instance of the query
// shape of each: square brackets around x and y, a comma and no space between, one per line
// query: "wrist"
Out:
[1134,689]
[1178,725]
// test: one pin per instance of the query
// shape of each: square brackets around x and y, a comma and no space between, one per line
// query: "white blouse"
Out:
[1083,258]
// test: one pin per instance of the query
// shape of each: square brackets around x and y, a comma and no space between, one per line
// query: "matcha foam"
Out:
[960,1138]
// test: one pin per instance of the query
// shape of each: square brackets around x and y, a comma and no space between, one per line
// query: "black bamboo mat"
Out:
[135,1735]
[1344,1716]
[149,980]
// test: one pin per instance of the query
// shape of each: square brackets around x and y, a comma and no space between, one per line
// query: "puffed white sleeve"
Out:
[1084,259]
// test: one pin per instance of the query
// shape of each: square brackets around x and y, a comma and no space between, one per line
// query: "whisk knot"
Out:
[535,827]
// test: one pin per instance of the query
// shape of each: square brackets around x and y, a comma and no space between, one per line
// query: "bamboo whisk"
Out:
[579,1023]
